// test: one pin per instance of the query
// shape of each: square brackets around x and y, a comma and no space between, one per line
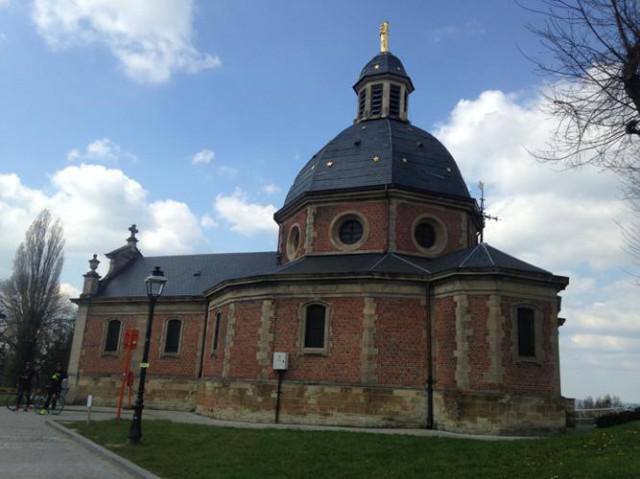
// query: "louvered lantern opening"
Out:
[362,100]
[376,99]
[406,102]
[394,100]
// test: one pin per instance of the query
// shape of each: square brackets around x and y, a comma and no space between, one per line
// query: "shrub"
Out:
[616,418]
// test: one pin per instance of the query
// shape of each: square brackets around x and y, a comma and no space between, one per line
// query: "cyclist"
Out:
[27,383]
[54,388]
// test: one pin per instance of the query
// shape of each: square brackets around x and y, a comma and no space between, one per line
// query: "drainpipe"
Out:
[204,340]
[429,327]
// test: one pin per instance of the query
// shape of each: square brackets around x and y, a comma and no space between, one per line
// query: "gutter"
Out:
[204,341]
[429,327]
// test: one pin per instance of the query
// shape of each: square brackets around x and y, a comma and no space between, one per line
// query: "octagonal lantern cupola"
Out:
[383,87]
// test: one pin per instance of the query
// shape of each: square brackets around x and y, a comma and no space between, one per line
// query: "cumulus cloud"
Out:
[203,157]
[271,189]
[565,221]
[245,217]
[96,204]
[102,150]
[151,39]
[555,219]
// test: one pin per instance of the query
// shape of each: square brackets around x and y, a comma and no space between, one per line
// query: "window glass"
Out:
[113,336]
[173,336]
[425,234]
[526,332]
[350,231]
[314,326]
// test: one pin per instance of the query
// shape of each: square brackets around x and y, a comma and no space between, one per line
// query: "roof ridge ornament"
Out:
[384,37]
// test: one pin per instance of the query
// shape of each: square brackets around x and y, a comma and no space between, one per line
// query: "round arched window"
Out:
[350,231]
[425,234]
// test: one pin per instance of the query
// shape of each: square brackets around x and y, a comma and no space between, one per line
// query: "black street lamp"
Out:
[155,285]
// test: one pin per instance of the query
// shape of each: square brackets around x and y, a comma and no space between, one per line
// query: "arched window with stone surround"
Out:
[172,336]
[112,338]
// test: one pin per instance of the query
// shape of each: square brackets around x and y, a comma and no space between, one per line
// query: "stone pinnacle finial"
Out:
[132,240]
[384,37]
[93,263]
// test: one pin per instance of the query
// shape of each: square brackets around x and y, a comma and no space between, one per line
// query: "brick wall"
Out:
[375,212]
[400,339]
[531,377]
[454,221]
[93,359]
[444,334]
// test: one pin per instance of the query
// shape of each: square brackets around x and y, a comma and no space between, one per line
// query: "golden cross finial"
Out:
[384,37]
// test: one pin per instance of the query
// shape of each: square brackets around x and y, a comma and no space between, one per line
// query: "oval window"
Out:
[350,231]
[293,242]
[425,234]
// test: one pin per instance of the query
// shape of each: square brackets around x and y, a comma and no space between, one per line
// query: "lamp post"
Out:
[155,285]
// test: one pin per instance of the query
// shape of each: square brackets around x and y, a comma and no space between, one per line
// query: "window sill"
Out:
[112,354]
[169,355]
[314,352]
[528,361]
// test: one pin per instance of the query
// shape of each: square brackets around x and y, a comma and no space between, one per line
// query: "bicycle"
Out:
[16,400]
[56,405]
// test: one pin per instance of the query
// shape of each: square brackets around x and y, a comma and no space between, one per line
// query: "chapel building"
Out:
[391,310]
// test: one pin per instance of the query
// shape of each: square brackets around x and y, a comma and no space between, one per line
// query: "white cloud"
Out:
[203,157]
[96,204]
[271,189]
[245,218]
[101,150]
[472,28]
[69,290]
[563,221]
[555,219]
[208,222]
[151,39]
[609,343]
[227,171]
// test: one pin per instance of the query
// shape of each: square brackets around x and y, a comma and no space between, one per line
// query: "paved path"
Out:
[79,413]
[31,449]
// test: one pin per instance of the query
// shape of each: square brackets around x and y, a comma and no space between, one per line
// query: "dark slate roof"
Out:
[188,275]
[387,64]
[480,257]
[408,157]
[194,274]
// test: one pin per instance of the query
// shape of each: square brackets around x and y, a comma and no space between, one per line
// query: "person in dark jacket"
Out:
[27,385]
[54,387]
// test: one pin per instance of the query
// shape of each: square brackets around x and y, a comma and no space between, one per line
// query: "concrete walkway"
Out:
[78,413]
[30,449]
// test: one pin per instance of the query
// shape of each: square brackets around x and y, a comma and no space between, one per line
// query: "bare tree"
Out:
[31,298]
[595,94]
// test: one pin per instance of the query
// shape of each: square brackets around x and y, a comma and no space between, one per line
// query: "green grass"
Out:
[194,451]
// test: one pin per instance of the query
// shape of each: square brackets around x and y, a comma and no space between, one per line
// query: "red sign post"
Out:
[130,343]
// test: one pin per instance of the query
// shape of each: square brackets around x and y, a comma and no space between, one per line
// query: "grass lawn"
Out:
[194,451]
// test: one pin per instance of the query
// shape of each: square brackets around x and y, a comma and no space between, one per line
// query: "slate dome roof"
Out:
[377,153]
[384,63]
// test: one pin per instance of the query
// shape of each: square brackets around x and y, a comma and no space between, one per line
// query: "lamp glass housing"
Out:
[155,283]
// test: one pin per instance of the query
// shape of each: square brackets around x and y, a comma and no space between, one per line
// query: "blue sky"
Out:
[191,119]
